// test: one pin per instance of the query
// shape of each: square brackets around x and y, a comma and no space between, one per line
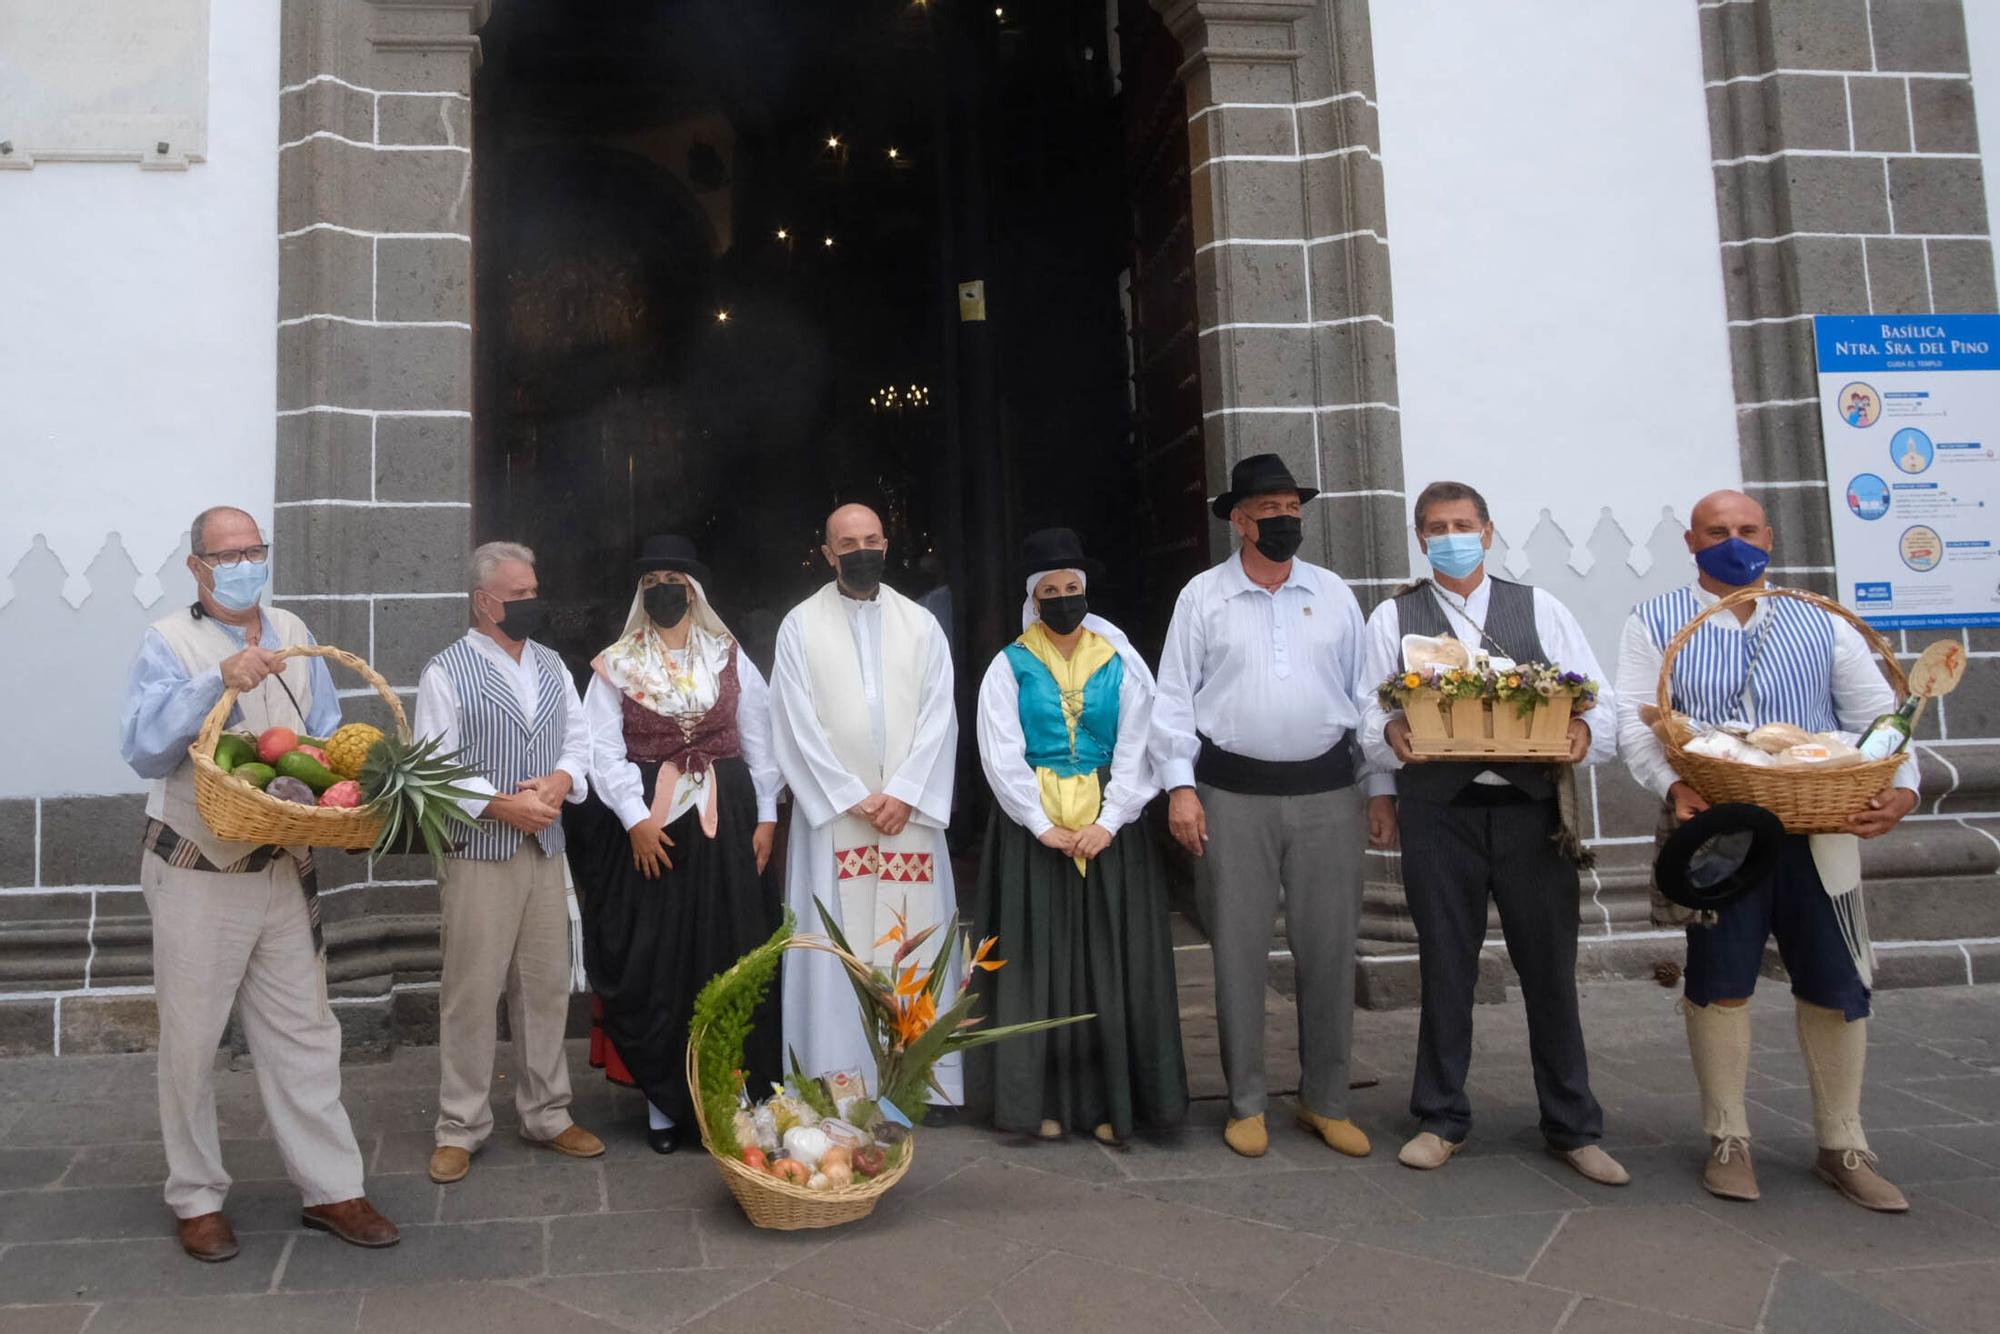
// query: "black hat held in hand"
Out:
[1719,856]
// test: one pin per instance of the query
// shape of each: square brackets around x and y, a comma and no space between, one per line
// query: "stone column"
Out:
[374,427]
[1848,181]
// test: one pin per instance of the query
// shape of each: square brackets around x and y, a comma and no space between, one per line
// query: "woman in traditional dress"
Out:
[671,849]
[1071,881]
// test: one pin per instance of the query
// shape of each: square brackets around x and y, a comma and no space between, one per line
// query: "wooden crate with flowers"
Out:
[1462,706]
[819,1150]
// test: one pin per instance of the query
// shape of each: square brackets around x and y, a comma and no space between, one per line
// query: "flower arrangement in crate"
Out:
[1460,706]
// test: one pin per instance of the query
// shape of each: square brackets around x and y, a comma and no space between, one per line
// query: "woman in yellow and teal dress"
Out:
[1071,881]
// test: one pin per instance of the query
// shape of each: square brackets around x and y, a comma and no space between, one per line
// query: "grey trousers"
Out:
[506,931]
[1454,859]
[244,940]
[1306,850]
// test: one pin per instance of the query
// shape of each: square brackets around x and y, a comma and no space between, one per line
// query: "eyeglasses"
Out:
[233,556]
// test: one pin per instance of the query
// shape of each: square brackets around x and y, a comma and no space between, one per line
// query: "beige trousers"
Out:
[506,931]
[244,939]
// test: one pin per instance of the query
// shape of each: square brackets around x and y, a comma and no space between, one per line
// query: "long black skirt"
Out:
[651,945]
[1075,944]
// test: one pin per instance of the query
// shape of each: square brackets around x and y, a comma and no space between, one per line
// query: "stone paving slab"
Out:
[995,1233]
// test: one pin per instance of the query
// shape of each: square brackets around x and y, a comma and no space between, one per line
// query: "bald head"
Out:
[221,516]
[1720,516]
[853,526]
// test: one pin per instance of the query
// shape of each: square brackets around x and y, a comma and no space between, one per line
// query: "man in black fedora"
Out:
[1253,738]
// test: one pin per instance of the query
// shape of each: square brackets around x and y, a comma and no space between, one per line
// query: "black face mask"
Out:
[1062,615]
[861,569]
[523,618]
[666,604]
[1280,536]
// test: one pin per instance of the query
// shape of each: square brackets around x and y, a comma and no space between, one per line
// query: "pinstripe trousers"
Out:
[1456,858]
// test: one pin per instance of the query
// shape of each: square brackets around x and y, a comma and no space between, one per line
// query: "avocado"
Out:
[307,770]
[234,749]
[255,773]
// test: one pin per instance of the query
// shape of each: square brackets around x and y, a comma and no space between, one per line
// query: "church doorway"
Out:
[723,250]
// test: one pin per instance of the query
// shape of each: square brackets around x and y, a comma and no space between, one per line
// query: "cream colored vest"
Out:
[838,696]
[200,645]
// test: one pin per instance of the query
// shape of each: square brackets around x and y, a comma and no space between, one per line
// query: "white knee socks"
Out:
[1836,1052]
[1719,1042]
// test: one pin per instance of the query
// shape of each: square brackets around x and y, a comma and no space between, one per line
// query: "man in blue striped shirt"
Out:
[1776,660]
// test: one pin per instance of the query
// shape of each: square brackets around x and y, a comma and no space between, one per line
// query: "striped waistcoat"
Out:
[1793,682]
[501,745]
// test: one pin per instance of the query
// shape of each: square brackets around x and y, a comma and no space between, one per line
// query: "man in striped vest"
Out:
[1775,660]
[1504,833]
[509,707]
[236,924]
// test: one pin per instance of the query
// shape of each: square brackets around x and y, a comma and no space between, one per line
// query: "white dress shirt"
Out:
[1267,675]
[619,784]
[1563,645]
[438,711]
[1860,693]
[1003,746]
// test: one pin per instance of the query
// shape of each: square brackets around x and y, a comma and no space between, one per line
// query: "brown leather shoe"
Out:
[1728,1174]
[449,1163]
[1852,1173]
[207,1237]
[353,1221]
[575,1142]
[1341,1135]
[1247,1136]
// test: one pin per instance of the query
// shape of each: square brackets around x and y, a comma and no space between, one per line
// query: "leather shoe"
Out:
[1729,1174]
[1340,1136]
[663,1141]
[1247,1135]
[207,1237]
[1427,1152]
[1594,1164]
[574,1142]
[353,1221]
[450,1163]
[1852,1173]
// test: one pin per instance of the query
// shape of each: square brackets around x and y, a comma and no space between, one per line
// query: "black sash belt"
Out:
[1275,778]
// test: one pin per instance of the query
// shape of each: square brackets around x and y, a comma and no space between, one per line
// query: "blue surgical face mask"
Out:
[1733,561]
[1455,554]
[238,586]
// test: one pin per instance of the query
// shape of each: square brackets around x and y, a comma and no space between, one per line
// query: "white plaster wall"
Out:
[1561,338]
[138,381]
[1982,38]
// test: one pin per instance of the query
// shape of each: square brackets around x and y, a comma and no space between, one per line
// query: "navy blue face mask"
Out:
[1733,561]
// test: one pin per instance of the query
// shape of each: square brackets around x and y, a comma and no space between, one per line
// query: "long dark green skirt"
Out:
[1075,944]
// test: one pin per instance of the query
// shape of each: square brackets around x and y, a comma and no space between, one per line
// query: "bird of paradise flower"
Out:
[909,1023]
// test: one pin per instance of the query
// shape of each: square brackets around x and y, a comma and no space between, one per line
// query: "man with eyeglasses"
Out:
[233,923]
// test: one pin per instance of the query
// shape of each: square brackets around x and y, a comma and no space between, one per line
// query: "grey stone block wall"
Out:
[1849,180]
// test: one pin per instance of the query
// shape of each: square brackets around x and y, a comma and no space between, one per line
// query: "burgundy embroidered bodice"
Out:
[690,743]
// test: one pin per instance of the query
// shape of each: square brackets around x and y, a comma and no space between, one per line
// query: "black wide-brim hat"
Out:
[670,552]
[1719,856]
[1258,475]
[1055,549]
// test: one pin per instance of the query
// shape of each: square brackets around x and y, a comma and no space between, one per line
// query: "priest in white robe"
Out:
[867,736]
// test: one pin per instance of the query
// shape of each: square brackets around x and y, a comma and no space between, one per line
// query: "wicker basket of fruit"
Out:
[358,789]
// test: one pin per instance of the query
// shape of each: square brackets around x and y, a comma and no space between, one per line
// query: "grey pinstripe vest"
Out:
[1510,632]
[500,744]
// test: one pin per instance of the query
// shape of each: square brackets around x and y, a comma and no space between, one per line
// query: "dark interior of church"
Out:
[723,249]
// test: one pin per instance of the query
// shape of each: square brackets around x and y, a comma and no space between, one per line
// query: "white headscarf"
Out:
[639,667]
[1030,613]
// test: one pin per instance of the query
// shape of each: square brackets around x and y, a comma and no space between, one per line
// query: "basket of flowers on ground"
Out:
[357,789]
[1466,708]
[820,1152]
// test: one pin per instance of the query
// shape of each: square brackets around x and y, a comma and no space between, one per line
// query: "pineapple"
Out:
[347,750]
[417,791]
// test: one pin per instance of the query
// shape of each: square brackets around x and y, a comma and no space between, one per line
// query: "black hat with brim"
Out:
[1258,475]
[670,552]
[1055,549]
[1719,856]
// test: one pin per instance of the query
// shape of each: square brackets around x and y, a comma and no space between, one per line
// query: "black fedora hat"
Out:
[670,552]
[1719,856]
[1055,549]
[1258,475]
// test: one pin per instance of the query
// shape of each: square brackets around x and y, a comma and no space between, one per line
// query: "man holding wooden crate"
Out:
[235,924]
[1503,831]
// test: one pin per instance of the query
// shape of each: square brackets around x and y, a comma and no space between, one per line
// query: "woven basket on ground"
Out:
[1809,799]
[235,810]
[785,1206]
